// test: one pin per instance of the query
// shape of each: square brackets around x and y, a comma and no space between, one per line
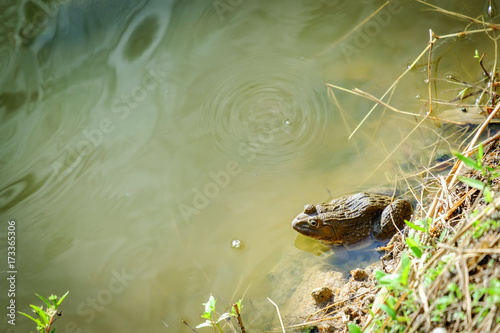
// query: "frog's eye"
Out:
[309,209]
[313,222]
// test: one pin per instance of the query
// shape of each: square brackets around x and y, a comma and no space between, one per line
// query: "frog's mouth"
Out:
[324,233]
[301,225]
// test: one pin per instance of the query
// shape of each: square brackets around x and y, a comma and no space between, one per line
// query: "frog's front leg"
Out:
[392,219]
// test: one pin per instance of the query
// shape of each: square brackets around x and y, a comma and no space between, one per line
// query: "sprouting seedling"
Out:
[480,58]
[476,55]
[48,316]
[211,315]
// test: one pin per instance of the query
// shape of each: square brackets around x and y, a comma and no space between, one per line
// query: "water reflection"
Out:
[16,192]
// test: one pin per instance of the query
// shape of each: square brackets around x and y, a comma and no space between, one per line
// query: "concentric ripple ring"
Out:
[267,109]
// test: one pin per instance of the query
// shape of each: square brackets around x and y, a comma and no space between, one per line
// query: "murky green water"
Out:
[139,139]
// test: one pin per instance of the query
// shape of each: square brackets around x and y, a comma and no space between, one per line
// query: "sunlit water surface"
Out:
[140,139]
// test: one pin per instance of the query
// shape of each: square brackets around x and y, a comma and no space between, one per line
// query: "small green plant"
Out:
[480,227]
[48,316]
[487,172]
[211,315]
[397,283]
[476,55]
[353,328]
[442,303]
[401,303]
[413,240]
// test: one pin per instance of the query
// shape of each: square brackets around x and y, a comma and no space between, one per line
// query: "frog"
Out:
[355,220]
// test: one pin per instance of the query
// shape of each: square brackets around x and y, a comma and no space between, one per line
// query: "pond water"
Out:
[156,152]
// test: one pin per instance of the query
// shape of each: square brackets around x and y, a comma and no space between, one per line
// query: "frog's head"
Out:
[311,223]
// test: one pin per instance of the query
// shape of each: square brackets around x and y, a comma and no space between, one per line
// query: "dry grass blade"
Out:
[357,27]
[279,315]
[461,16]
[451,178]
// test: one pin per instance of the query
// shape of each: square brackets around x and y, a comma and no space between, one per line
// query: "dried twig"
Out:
[279,315]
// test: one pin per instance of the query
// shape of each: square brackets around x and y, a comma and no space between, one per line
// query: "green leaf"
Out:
[414,247]
[37,321]
[44,300]
[414,226]
[475,183]
[391,301]
[388,310]
[479,153]
[391,281]
[223,317]
[476,55]
[462,92]
[208,323]
[487,194]
[238,304]
[53,299]
[353,328]
[493,289]
[454,289]
[405,268]
[206,315]
[467,161]
[39,311]
[61,299]
[210,305]
[427,222]
[380,274]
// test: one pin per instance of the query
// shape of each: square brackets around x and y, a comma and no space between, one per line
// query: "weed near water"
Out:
[454,288]
[46,317]
[487,172]
[448,280]
[214,320]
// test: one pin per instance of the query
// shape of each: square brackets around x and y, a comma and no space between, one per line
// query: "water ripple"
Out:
[6,60]
[265,109]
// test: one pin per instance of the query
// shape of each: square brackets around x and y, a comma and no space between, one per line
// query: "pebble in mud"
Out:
[321,295]
[358,274]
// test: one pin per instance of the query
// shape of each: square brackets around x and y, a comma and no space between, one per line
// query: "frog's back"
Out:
[359,205]
[349,220]
[351,217]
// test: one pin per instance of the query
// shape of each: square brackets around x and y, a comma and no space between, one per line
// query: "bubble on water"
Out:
[287,122]
[236,244]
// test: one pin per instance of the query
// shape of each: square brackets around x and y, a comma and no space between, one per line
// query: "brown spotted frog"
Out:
[353,220]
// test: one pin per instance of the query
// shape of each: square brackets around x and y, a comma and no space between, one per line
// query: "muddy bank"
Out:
[446,277]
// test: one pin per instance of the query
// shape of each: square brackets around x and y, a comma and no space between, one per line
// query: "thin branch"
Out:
[240,322]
